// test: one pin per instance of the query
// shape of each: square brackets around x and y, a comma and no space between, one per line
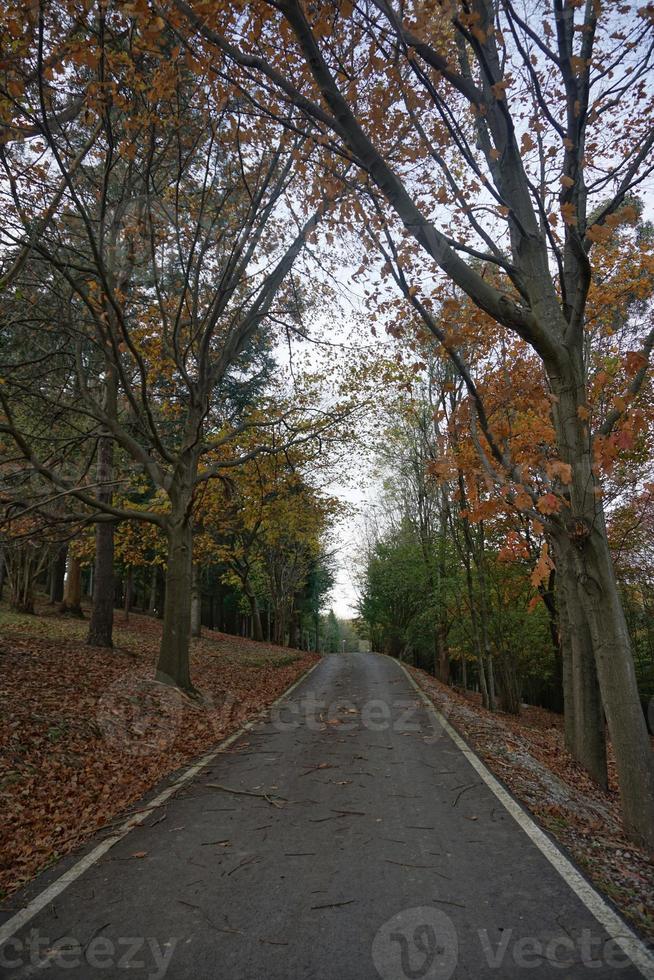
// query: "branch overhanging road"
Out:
[345,837]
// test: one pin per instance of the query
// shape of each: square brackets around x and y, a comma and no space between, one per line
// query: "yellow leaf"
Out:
[560,471]
[569,213]
[598,233]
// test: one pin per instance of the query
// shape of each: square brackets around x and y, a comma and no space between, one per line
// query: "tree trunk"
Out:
[293,629]
[173,664]
[196,601]
[475,636]
[154,581]
[591,567]
[549,595]
[566,662]
[602,635]
[483,686]
[23,571]
[279,634]
[58,575]
[590,736]
[490,669]
[129,588]
[508,683]
[480,562]
[23,603]
[442,654]
[585,730]
[102,611]
[72,603]
[257,628]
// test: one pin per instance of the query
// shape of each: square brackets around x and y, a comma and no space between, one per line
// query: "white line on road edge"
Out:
[16,922]
[616,927]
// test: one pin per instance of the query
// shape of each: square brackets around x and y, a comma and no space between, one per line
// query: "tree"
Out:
[332,642]
[196,205]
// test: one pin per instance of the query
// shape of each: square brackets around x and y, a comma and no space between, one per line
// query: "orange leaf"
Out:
[549,504]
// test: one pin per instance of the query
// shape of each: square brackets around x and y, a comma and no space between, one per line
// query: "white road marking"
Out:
[614,925]
[16,922]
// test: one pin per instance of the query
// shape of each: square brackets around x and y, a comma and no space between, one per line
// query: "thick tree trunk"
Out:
[615,672]
[591,568]
[585,732]
[72,603]
[102,611]
[508,684]
[196,602]
[173,664]
[590,734]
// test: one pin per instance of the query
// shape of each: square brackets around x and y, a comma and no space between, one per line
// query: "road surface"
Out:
[346,837]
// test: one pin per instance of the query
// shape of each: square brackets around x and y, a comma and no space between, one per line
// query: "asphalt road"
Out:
[369,848]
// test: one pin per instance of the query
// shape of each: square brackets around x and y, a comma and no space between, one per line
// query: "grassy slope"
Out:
[85,732]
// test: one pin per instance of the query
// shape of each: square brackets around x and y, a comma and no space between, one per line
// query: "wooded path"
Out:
[361,844]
